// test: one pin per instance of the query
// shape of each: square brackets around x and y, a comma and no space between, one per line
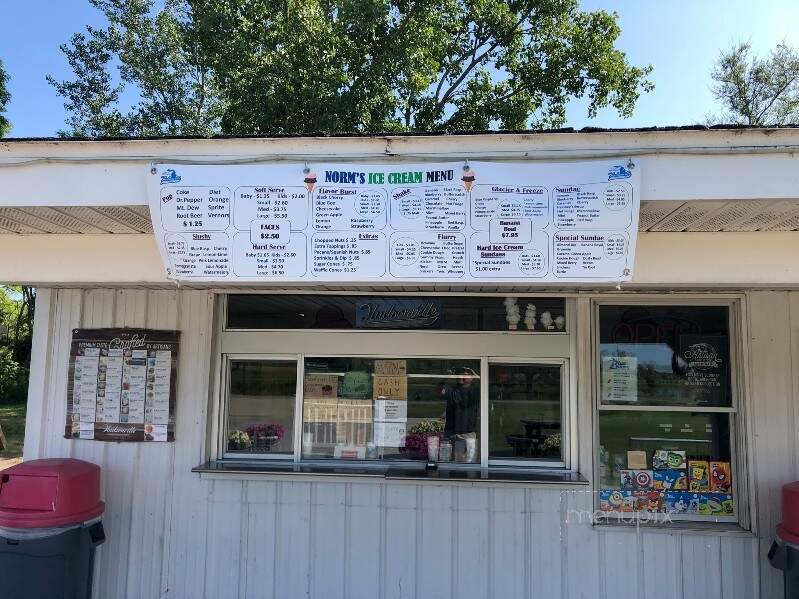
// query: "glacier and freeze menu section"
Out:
[497,222]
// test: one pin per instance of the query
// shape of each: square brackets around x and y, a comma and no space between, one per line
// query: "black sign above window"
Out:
[444,312]
[380,313]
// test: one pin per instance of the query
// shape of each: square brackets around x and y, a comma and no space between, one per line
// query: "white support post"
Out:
[39,373]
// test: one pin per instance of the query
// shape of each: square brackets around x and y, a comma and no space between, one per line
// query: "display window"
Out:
[525,411]
[471,395]
[260,407]
[389,409]
[667,415]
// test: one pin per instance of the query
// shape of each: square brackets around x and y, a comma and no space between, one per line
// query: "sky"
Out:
[680,38]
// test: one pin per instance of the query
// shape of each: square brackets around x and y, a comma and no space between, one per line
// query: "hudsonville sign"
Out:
[398,314]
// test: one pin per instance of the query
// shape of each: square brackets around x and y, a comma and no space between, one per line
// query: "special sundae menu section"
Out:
[122,385]
[470,222]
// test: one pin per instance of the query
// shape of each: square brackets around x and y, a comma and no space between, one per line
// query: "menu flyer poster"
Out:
[122,385]
[619,379]
[321,385]
[703,361]
[526,222]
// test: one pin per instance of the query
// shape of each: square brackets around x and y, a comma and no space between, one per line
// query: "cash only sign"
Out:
[478,222]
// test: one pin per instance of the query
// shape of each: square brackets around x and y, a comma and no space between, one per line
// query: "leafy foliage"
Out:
[156,58]
[5,98]
[755,91]
[303,66]
[16,329]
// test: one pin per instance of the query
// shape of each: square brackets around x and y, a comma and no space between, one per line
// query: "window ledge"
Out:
[681,527]
[394,473]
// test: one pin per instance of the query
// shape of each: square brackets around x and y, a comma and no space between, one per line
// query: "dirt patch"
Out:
[12,420]
[7,463]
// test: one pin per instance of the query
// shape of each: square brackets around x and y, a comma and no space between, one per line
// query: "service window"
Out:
[391,408]
[667,412]
[260,406]
[525,411]
[458,380]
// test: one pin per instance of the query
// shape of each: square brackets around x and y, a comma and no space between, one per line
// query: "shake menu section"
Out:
[483,221]
[122,385]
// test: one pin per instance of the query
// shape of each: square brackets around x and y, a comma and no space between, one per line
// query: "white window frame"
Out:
[218,445]
[736,413]
[565,414]
[225,405]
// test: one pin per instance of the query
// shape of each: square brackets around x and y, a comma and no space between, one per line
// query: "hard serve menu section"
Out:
[482,221]
[122,385]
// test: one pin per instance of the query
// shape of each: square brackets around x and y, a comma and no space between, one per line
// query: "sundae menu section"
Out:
[122,385]
[450,222]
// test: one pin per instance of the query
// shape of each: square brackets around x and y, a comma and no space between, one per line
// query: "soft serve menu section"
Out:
[482,221]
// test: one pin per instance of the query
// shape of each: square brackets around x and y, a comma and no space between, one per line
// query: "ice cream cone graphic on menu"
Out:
[310,181]
[468,179]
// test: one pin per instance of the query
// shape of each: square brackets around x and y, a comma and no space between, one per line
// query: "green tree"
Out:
[16,329]
[5,97]
[757,91]
[155,58]
[302,66]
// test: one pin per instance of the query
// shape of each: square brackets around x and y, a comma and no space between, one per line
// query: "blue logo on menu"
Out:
[619,172]
[170,176]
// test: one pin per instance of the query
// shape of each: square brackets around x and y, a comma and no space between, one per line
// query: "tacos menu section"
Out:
[482,221]
[122,385]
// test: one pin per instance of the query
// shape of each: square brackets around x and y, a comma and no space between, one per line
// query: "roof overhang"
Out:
[739,181]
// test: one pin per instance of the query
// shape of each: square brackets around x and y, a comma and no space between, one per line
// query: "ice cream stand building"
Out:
[558,364]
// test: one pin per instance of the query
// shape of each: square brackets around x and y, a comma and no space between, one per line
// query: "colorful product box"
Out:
[636,480]
[664,459]
[648,501]
[616,500]
[716,504]
[636,460]
[698,473]
[670,480]
[682,502]
[720,477]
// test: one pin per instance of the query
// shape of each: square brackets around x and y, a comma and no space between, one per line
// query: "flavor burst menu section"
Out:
[122,385]
[521,222]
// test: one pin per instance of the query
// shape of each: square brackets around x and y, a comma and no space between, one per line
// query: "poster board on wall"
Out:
[122,385]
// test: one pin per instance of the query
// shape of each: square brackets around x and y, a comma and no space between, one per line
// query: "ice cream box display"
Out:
[665,459]
[698,471]
[702,504]
[682,502]
[636,460]
[636,480]
[720,477]
[616,500]
[716,504]
[670,480]
[648,501]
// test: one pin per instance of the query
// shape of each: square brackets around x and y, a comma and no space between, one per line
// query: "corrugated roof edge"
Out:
[419,133]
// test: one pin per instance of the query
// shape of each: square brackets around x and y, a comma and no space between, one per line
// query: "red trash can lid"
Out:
[788,529]
[49,493]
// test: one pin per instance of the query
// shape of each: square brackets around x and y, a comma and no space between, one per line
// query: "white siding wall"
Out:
[172,533]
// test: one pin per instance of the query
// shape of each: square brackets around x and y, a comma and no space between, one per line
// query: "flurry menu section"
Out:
[472,222]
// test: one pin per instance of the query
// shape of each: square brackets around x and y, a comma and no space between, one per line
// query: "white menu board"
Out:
[519,222]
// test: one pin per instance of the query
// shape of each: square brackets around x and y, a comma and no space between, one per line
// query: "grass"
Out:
[12,419]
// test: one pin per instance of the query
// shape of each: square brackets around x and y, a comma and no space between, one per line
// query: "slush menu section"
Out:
[513,222]
[122,385]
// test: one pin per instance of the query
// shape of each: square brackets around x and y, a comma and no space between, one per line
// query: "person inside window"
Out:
[463,400]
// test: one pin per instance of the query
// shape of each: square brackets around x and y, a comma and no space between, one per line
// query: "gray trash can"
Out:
[49,529]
